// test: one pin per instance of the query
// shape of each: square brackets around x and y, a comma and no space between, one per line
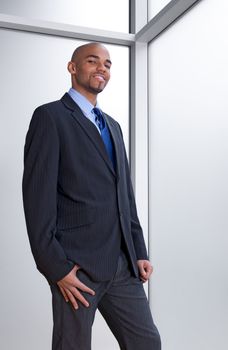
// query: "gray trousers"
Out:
[123,304]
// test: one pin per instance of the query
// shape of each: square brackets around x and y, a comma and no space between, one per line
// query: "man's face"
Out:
[92,69]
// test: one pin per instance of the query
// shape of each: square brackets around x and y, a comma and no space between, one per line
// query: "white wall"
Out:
[112,15]
[188,179]
[33,71]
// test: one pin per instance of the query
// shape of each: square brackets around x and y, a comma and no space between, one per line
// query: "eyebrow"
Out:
[97,57]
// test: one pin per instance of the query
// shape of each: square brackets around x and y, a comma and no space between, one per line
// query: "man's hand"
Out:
[145,269]
[70,286]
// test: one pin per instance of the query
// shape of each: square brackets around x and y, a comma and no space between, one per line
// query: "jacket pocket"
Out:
[75,216]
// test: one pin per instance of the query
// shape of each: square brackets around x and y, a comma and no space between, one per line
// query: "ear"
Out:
[71,67]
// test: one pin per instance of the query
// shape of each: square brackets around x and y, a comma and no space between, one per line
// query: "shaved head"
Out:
[90,69]
[81,50]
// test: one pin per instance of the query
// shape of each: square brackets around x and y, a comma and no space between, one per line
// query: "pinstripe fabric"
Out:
[123,304]
[77,208]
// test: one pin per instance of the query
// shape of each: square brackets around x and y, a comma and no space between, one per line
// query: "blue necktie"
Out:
[105,135]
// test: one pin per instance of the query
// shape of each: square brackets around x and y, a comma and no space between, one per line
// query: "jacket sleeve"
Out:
[39,185]
[136,229]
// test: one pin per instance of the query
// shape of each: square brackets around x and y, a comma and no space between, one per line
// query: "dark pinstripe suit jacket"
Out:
[77,208]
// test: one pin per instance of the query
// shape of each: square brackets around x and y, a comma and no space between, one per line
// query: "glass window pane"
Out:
[102,14]
[155,6]
[189,172]
[33,70]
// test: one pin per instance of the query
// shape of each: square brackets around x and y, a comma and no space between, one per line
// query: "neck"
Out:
[92,98]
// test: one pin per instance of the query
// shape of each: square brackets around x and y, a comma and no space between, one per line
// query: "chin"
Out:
[97,90]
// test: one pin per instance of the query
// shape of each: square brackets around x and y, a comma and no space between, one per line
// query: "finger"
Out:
[148,269]
[64,294]
[147,275]
[72,299]
[144,276]
[142,271]
[79,297]
[143,279]
[83,287]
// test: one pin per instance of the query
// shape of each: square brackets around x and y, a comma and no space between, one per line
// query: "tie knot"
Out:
[99,118]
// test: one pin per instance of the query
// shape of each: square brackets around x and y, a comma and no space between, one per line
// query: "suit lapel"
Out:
[116,142]
[89,128]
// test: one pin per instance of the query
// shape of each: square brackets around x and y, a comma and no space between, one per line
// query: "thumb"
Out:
[75,269]
[142,270]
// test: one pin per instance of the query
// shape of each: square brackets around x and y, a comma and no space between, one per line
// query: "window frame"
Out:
[142,32]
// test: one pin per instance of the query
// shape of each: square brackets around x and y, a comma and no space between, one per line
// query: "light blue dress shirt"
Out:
[85,105]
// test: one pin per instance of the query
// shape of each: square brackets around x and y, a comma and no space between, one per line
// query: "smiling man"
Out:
[81,215]
[90,80]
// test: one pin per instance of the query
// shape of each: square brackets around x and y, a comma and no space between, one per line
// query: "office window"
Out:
[188,179]
[33,71]
[155,6]
[102,14]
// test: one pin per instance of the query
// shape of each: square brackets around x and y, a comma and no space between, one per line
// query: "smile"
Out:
[99,77]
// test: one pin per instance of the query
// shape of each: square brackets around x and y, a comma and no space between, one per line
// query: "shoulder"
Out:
[43,117]
[50,112]
[49,107]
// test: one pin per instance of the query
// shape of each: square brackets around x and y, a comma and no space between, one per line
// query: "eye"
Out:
[92,61]
[108,66]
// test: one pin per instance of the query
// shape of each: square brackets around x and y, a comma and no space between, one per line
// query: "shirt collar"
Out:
[85,105]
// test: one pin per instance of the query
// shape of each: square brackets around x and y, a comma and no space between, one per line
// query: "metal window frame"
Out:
[141,34]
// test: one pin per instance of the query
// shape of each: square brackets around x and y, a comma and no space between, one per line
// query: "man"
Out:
[81,215]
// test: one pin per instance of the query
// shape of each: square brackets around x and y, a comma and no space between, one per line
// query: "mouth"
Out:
[99,77]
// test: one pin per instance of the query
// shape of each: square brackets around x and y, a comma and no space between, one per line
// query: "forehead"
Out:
[95,50]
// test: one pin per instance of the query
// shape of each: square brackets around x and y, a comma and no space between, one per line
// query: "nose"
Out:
[101,67]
